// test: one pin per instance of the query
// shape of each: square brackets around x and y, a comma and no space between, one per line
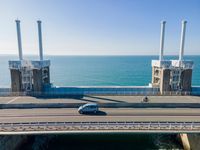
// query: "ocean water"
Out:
[102,141]
[98,70]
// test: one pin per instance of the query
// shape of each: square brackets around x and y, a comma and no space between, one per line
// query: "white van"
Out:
[88,108]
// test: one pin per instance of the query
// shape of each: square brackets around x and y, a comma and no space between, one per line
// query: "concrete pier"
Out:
[27,75]
[16,85]
[190,141]
[172,75]
[185,141]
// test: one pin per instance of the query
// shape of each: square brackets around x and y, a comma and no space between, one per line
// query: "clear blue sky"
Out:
[100,27]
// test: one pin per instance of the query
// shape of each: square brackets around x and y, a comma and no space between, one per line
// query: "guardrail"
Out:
[46,127]
[72,94]
[101,90]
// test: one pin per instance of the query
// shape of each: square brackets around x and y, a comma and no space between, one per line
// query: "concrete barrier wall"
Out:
[98,90]
[101,105]
[103,90]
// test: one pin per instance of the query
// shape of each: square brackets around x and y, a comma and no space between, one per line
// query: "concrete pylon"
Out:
[19,39]
[182,44]
[40,39]
[162,36]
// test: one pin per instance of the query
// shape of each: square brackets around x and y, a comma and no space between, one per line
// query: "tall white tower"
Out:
[172,75]
[160,68]
[28,75]
[19,39]
[181,74]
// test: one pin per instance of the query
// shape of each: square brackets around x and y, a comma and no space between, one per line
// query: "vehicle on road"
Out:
[88,108]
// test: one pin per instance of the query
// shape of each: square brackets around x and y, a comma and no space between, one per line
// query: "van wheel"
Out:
[80,112]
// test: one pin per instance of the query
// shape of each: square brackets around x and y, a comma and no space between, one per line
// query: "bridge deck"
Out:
[37,121]
[176,119]
[101,99]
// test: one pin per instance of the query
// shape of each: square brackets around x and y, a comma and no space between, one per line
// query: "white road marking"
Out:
[12,100]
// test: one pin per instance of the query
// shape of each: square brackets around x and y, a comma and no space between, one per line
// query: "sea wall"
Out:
[97,90]
[102,90]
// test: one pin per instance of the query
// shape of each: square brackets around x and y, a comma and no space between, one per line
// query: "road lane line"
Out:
[93,115]
[12,100]
[121,116]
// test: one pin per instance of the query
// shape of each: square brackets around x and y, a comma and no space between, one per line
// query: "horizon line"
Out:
[98,55]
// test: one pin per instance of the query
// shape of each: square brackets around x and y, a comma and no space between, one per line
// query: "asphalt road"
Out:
[106,114]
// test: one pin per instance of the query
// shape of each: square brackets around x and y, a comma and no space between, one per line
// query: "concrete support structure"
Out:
[27,75]
[172,75]
[40,39]
[182,75]
[186,80]
[185,141]
[40,78]
[165,80]
[161,67]
[183,67]
[16,83]
[161,75]
[182,44]
[162,36]
[19,39]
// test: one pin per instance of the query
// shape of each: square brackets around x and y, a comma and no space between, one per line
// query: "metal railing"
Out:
[98,93]
[101,126]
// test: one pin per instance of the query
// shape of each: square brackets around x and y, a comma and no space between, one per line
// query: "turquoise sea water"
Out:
[98,70]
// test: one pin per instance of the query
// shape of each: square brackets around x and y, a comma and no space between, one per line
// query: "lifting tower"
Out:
[29,75]
[172,75]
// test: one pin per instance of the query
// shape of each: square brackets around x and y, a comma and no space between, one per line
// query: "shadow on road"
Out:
[99,113]
[56,96]
[106,99]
